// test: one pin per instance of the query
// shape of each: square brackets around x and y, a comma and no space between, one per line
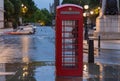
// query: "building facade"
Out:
[56,3]
[1,13]
[108,22]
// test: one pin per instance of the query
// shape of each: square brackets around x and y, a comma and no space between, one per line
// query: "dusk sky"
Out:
[44,3]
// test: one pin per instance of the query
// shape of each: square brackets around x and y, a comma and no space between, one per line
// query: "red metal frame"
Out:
[69,40]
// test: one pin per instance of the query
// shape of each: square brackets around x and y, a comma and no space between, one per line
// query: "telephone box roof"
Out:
[64,5]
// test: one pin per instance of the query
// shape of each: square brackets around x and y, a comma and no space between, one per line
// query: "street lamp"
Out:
[24,9]
[85,14]
[91,12]
[86,7]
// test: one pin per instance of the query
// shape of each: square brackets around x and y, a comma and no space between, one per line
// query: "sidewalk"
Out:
[4,30]
[106,44]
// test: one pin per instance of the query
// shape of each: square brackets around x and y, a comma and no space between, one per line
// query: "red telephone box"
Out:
[69,40]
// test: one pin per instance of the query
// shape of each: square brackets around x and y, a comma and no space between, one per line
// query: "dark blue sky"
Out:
[43,3]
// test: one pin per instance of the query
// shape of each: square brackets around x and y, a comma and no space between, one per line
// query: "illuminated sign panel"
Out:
[69,12]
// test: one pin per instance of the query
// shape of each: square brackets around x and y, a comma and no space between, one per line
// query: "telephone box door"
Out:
[69,41]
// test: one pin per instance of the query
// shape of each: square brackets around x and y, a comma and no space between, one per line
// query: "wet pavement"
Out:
[32,58]
[23,57]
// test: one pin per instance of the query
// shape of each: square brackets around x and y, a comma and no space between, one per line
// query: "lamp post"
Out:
[86,7]
[24,9]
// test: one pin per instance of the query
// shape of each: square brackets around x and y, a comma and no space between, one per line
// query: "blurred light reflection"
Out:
[85,68]
[25,49]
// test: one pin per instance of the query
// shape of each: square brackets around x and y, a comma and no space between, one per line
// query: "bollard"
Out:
[91,51]
[99,43]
